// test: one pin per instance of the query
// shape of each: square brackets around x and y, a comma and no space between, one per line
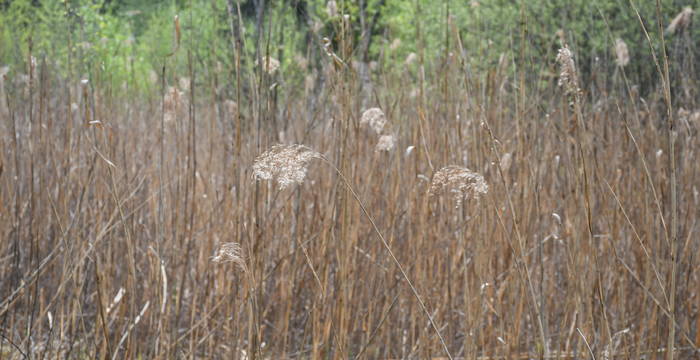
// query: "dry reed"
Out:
[564,254]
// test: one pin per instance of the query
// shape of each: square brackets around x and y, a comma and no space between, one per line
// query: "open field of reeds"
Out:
[335,207]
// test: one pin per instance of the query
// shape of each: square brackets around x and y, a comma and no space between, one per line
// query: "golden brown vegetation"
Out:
[144,228]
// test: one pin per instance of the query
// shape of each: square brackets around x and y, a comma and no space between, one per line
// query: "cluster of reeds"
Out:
[221,237]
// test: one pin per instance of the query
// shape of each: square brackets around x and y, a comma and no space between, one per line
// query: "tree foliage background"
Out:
[130,39]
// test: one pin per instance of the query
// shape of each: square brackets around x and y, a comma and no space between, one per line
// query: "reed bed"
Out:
[434,212]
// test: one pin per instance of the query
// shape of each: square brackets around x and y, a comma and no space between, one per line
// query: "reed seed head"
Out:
[410,59]
[459,181]
[506,160]
[230,252]
[374,118]
[386,143]
[681,21]
[622,53]
[287,164]
[694,118]
[332,8]
[567,71]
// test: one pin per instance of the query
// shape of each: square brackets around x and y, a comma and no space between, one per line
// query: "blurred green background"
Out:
[130,39]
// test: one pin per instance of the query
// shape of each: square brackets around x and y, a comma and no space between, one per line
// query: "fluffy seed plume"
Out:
[332,8]
[269,64]
[695,117]
[459,181]
[622,53]
[506,160]
[386,143]
[567,70]
[410,59]
[230,252]
[374,118]
[681,21]
[689,116]
[287,164]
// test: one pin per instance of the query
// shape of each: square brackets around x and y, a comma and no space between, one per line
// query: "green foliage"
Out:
[491,28]
[127,41]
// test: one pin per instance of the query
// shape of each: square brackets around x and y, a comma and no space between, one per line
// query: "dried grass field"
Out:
[514,211]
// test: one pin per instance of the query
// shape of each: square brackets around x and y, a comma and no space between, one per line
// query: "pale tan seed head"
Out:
[230,252]
[568,78]
[506,160]
[460,182]
[410,59]
[386,143]
[694,118]
[622,53]
[286,164]
[332,8]
[374,118]
[681,21]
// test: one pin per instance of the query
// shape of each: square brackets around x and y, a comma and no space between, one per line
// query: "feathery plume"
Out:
[386,143]
[695,117]
[230,252]
[287,164]
[460,181]
[567,71]
[506,160]
[332,8]
[374,118]
[410,59]
[681,21]
[623,54]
